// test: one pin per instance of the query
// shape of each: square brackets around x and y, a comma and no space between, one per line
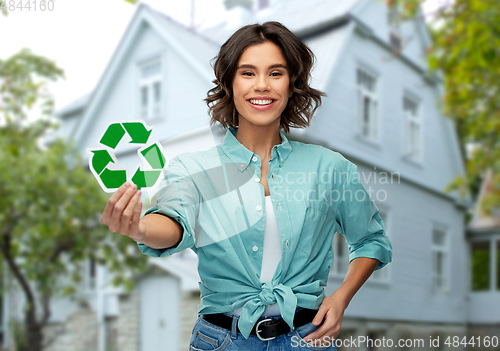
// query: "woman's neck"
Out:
[259,139]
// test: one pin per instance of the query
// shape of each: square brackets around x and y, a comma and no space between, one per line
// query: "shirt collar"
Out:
[238,153]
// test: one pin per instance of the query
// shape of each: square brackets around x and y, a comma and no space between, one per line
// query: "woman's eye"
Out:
[272,74]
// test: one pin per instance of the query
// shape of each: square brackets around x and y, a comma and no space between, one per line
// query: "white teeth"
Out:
[261,102]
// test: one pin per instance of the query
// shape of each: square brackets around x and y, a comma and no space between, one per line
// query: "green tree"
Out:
[50,204]
[466,49]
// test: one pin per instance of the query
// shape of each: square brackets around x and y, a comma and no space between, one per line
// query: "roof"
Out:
[203,46]
[482,222]
[184,265]
[329,47]
[74,106]
[301,17]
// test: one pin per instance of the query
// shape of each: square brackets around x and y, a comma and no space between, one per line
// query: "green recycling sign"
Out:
[101,159]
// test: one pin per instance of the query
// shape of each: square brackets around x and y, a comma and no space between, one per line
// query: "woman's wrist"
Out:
[141,231]
[342,296]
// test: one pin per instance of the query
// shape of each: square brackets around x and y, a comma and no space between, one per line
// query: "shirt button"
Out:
[257,180]
[254,159]
[287,243]
[258,208]
[255,248]
[282,159]
[242,165]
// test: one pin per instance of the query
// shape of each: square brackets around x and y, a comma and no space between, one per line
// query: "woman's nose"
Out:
[262,83]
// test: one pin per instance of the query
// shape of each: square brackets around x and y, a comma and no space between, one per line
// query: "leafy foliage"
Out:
[50,203]
[18,335]
[466,50]
[53,205]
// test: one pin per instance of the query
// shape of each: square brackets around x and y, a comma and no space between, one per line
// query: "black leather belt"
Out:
[267,328]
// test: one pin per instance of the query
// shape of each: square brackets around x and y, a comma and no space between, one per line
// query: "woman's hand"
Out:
[332,307]
[120,214]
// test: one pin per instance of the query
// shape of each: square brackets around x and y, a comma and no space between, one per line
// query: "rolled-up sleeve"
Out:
[178,198]
[358,219]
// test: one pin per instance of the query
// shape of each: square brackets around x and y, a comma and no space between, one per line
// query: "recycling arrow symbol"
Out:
[111,179]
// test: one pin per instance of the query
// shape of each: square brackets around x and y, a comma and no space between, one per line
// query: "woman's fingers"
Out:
[120,206]
[106,215]
[134,224]
[128,213]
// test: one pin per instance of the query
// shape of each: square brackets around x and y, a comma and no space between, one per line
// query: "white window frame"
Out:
[88,282]
[152,110]
[369,129]
[444,285]
[412,148]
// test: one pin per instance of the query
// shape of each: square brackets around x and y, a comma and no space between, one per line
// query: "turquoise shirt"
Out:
[217,197]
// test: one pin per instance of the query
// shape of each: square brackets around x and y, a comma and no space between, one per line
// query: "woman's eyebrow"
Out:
[277,65]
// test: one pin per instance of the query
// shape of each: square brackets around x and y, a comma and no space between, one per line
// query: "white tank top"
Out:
[271,256]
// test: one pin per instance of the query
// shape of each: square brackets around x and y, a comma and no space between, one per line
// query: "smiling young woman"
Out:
[263,255]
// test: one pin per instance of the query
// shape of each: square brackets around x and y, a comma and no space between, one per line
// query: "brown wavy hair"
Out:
[299,59]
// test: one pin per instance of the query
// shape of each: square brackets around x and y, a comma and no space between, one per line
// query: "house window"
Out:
[340,262]
[439,259]
[88,269]
[393,22]
[150,89]
[348,334]
[412,147]
[367,104]
[498,263]
[92,271]
[438,346]
[340,256]
[374,339]
[480,265]
[382,274]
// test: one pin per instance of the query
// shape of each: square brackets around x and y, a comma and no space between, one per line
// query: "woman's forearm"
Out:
[161,231]
[360,269]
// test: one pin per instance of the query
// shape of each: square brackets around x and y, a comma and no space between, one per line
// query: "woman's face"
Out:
[261,84]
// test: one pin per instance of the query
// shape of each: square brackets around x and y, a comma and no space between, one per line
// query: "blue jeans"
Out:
[209,337]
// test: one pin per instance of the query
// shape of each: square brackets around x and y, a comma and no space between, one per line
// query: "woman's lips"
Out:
[261,107]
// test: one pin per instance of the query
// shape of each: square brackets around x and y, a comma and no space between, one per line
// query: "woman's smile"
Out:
[261,104]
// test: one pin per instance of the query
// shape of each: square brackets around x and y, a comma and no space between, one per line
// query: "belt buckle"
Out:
[257,330]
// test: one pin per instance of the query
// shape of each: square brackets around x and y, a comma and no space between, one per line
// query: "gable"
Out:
[415,37]
[188,47]
[328,48]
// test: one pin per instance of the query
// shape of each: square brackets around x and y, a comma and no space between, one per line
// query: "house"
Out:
[380,112]
[483,234]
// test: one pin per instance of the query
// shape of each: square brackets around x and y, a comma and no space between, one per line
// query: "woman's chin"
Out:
[261,120]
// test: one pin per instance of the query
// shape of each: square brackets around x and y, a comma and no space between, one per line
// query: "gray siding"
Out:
[335,122]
